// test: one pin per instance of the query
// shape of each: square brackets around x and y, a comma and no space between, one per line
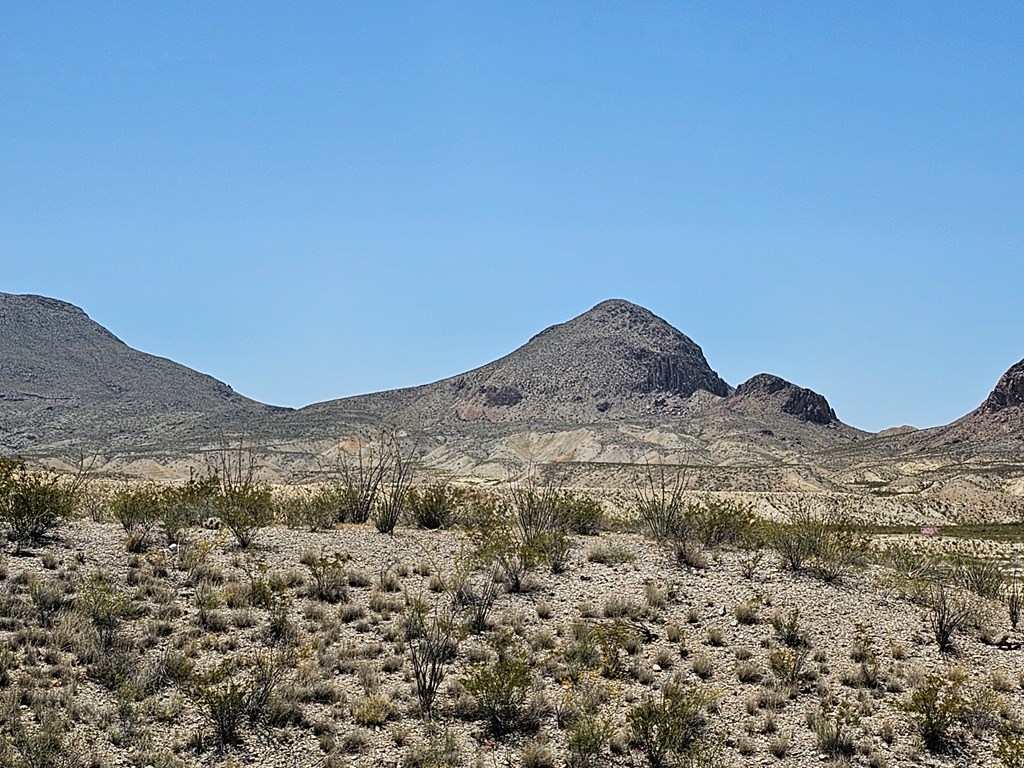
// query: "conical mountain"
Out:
[64,379]
[617,360]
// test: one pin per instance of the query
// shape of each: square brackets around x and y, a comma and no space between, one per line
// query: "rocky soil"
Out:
[345,694]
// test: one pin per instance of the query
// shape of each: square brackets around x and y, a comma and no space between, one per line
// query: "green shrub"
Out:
[34,501]
[238,690]
[188,504]
[330,577]
[500,688]
[938,706]
[670,727]
[435,506]
[137,509]
[828,545]
[104,604]
[245,509]
[314,509]
[586,739]
[579,513]
[499,543]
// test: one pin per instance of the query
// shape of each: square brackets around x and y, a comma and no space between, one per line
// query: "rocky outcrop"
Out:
[769,392]
[1009,391]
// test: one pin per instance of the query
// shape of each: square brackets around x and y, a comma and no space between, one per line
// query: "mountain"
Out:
[597,395]
[998,420]
[615,361]
[766,392]
[64,380]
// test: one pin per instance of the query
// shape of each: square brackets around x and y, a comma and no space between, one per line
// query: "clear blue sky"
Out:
[315,200]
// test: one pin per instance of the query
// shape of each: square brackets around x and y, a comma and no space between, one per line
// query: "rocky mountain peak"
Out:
[772,391]
[1009,391]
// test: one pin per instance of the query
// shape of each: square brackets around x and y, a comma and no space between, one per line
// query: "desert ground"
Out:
[512,625]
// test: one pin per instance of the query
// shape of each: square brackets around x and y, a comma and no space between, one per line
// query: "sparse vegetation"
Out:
[413,643]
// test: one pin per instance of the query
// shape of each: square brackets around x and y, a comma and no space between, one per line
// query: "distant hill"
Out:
[65,380]
[998,420]
[615,361]
[596,395]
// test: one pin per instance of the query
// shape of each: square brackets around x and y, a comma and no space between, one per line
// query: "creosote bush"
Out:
[670,727]
[137,508]
[938,707]
[436,506]
[35,501]
[501,687]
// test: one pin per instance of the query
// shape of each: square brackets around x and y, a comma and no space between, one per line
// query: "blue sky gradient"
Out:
[316,200]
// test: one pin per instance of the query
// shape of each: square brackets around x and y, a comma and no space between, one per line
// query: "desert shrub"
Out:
[909,562]
[314,509]
[105,606]
[34,501]
[579,513]
[749,672]
[721,522]
[669,728]
[789,665]
[244,510]
[611,553]
[938,706]
[828,545]
[436,506]
[398,479]
[238,690]
[440,750]
[948,613]
[583,651]
[188,504]
[658,501]
[833,727]
[747,612]
[137,509]
[586,739]
[1010,747]
[329,575]
[862,651]
[1013,596]
[475,594]
[42,744]
[787,629]
[48,596]
[499,543]
[373,710]
[501,687]
[983,576]
[362,476]
[542,515]
[432,641]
